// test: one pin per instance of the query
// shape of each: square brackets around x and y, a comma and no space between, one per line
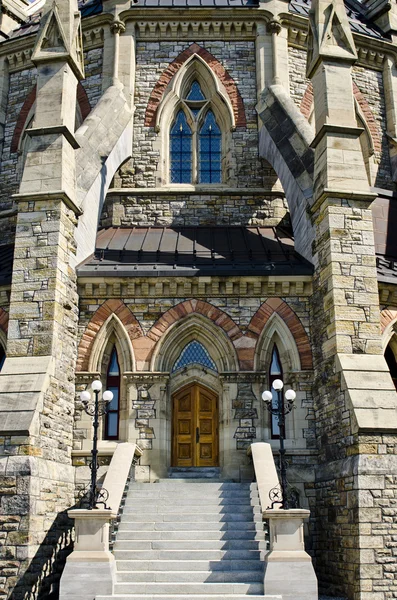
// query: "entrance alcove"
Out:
[195,353]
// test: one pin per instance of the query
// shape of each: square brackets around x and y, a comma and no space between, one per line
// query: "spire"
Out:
[329,34]
[60,35]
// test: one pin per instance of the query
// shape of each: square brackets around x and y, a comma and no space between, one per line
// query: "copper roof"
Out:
[178,251]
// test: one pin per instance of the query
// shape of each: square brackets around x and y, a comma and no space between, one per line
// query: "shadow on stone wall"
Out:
[41,580]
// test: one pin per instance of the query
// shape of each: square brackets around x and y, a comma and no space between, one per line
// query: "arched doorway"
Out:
[195,427]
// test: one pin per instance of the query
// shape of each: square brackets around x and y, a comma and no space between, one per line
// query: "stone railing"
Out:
[90,569]
[288,568]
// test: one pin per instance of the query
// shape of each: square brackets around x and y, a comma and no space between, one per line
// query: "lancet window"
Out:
[112,418]
[2,356]
[275,372]
[195,140]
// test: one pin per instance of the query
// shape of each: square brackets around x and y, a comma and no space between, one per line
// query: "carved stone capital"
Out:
[274,26]
[117,27]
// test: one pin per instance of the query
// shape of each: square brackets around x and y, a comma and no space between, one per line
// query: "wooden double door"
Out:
[195,428]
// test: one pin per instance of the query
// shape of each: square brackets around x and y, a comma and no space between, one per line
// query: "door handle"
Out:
[197,435]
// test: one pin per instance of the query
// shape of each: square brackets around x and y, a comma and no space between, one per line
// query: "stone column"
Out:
[353,391]
[37,381]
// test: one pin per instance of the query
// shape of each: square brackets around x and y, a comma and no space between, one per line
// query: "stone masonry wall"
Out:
[238,58]
[194,209]
[93,60]
[298,81]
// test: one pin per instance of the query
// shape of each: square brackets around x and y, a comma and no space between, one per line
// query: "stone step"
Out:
[190,577]
[190,565]
[140,545]
[182,596]
[182,555]
[129,517]
[188,588]
[176,484]
[175,507]
[186,534]
[139,503]
[190,526]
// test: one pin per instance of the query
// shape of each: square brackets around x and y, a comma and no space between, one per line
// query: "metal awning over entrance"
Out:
[187,251]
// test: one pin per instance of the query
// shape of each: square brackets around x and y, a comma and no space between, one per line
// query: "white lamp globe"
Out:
[290,395]
[85,396]
[107,396]
[96,385]
[278,385]
[267,396]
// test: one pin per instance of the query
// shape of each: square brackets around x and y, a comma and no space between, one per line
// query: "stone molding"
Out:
[259,320]
[101,287]
[217,68]
[188,30]
[99,318]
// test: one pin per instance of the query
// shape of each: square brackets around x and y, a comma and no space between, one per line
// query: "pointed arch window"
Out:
[2,356]
[195,140]
[275,372]
[391,363]
[112,419]
[194,353]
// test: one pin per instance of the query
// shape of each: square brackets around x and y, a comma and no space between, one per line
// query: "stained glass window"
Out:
[275,372]
[181,150]
[2,357]
[195,93]
[194,353]
[113,385]
[210,151]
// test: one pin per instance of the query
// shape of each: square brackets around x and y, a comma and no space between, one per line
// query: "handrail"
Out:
[118,472]
[265,472]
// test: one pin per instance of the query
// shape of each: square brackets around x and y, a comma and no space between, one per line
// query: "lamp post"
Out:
[95,411]
[280,411]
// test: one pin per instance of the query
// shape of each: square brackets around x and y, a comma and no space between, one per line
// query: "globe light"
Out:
[85,396]
[278,385]
[107,396]
[96,385]
[267,396]
[290,395]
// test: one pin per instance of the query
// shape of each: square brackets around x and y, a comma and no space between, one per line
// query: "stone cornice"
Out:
[194,287]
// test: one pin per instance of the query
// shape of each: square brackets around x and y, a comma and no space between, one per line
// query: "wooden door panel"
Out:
[195,428]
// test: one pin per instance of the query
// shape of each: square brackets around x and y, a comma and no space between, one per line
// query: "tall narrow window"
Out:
[392,364]
[113,384]
[181,150]
[2,356]
[210,151]
[275,372]
[195,140]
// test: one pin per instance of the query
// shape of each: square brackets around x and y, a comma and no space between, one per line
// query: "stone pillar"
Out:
[354,395]
[288,567]
[37,381]
[390,87]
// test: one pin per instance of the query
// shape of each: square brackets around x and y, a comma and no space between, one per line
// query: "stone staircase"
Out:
[182,539]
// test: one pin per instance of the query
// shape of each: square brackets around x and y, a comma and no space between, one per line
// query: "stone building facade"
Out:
[167,257]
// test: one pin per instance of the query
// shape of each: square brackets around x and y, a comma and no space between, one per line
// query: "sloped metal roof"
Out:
[178,251]
[355,13]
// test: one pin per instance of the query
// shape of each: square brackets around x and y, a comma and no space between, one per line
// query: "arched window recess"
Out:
[112,418]
[275,372]
[195,119]
[2,356]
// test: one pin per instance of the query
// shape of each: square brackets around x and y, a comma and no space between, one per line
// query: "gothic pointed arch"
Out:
[113,316]
[195,327]
[226,83]
[276,333]
[112,332]
[292,323]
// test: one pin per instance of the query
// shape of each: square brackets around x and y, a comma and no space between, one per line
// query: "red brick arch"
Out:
[199,307]
[307,101]
[276,305]
[82,100]
[3,320]
[226,79]
[109,307]
[386,317]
